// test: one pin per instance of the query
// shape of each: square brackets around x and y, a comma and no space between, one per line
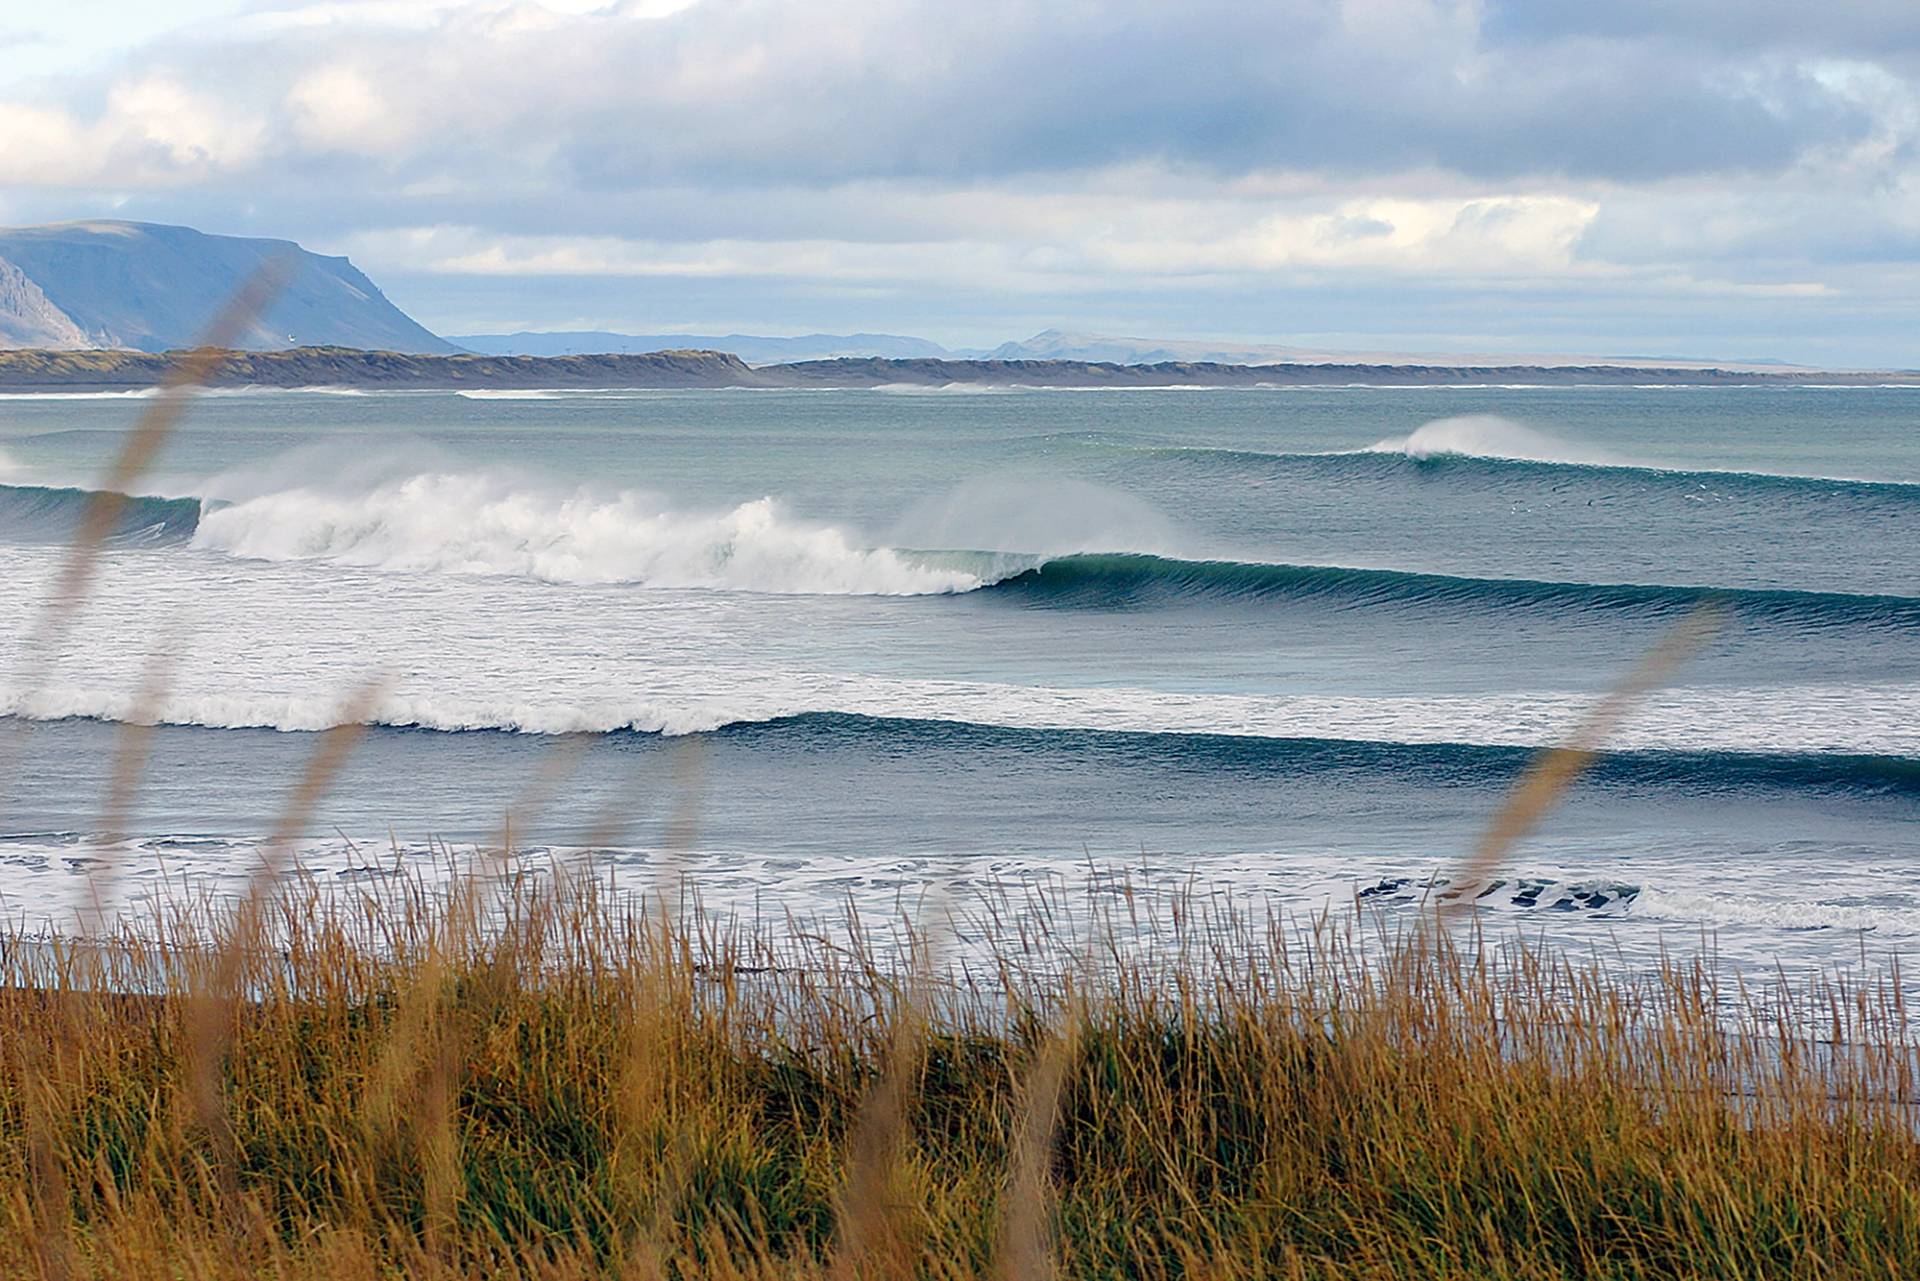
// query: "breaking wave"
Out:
[477,523]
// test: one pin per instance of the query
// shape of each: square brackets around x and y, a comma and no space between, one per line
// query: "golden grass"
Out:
[587,1091]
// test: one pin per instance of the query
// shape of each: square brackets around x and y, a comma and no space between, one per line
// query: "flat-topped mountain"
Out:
[146,287]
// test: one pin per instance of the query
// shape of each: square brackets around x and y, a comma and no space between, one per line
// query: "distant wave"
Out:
[509,393]
[1494,448]
[1490,436]
[1800,719]
[1122,580]
[138,393]
[1635,768]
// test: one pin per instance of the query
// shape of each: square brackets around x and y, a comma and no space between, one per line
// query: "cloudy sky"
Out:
[1719,178]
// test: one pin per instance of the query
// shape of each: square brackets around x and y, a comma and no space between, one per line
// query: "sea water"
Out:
[1286,647]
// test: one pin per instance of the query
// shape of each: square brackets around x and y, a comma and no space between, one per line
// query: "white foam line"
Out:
[1795,720]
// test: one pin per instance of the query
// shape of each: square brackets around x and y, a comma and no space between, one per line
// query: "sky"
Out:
[1729,179]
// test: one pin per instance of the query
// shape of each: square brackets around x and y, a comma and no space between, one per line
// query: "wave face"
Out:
[45,514]
[1118,581]
[1449,763]
[479,523]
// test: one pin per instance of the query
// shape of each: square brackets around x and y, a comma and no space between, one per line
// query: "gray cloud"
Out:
[752,90]
[876,150]
[1870,28]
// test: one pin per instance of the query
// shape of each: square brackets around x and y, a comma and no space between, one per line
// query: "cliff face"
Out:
[152,288]
[29,319]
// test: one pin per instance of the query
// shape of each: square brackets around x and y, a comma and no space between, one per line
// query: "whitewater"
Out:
[1291,645]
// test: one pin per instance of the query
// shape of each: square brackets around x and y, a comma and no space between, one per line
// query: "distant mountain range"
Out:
[146,287]
[1055,344]
[1049,344]
[755,349]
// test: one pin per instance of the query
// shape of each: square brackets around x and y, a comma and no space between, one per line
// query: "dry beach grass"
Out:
[509,1075]
[563,1085]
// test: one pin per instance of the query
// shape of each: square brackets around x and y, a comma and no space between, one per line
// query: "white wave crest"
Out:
[307,713]
[1489,436]
[1717,909]
[942,389]
[138,393]
[691,697]
[484,523]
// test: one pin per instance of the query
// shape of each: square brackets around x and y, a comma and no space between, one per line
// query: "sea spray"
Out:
[1491,436]
[491,523]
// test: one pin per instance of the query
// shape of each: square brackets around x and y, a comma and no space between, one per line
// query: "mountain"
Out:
[148,287]
[753,348]
[1055,344]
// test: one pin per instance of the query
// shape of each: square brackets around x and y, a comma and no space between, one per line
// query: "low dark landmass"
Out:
[350,367]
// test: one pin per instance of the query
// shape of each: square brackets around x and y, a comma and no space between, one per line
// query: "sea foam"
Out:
[487,523]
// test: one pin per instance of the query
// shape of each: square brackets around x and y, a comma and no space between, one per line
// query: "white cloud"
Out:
[192,129]
[45,145]
[338,107]
[153,131]
[1014,250]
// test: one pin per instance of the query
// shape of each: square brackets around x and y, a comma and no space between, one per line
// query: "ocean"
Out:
[1282,649]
